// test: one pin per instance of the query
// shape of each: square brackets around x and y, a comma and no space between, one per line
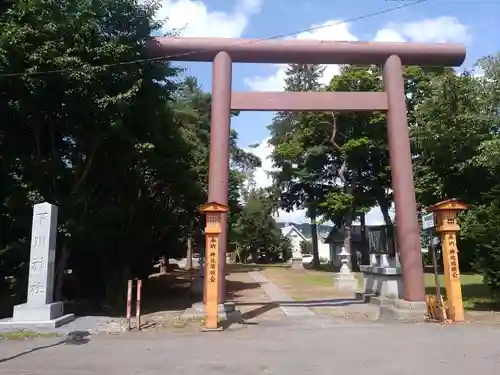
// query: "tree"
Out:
[358,157]
[120,147]
[256,235]
[87,137]
[299,152]
[455,142]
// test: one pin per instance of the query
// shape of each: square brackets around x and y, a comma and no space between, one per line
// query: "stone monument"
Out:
[40,308]
[345,280]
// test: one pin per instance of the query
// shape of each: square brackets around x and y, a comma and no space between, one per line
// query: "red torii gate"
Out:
[223,52]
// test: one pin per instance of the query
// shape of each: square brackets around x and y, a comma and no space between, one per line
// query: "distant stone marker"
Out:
[40,308]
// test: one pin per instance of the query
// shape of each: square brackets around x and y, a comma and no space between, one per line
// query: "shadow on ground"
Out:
[72,338]
[160,292]
[334,302]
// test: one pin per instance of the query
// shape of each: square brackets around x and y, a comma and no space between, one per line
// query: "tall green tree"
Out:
[94,137]
[455,142]
[255,233]
[120,147]
[299,152]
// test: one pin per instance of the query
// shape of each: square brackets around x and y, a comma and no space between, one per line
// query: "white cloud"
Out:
[297,217]
[478,72]
[374,216]
[436,30]
[263,151]
[388,35]
[335,31]
[193,18]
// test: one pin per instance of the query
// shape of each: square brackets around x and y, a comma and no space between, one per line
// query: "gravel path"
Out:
[291,346]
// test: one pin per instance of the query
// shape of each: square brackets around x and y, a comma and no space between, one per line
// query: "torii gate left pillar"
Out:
[220,128]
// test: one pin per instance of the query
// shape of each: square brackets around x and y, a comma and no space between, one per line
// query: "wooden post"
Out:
[213,212]
[446,215]
[138,305]
[129,303]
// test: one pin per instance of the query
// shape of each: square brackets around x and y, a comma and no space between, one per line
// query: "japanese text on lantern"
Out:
[213,259]
[453,257]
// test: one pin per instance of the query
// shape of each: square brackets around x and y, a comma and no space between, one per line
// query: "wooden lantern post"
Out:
[213,212]
[446,224]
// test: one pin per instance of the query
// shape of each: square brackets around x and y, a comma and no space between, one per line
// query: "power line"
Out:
[277,36]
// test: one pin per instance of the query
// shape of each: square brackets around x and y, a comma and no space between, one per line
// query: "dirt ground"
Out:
[304,285]
[316,286]
[169,295]
[249,297]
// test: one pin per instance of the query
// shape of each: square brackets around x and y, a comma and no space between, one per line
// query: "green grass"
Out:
[25,334]
[475,293]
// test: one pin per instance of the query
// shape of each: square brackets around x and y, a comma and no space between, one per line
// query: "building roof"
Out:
[285,231]
[355,233]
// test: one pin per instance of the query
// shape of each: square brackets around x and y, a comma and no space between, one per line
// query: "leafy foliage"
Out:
[121,148]
[256,235]
[300,152]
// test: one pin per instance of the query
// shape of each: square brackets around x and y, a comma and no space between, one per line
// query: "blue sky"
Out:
[474,23]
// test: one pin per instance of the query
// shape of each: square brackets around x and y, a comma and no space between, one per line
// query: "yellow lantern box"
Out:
[213,212]
[446,214]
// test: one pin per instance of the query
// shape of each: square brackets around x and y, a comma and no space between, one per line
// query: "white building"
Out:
[296,237]
[291,232]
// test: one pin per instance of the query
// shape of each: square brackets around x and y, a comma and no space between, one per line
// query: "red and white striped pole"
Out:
[138,305]
[129,303]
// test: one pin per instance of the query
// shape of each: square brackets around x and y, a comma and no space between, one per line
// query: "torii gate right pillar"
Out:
[408,230]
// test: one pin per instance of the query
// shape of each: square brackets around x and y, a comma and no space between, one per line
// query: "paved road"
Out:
[287,348]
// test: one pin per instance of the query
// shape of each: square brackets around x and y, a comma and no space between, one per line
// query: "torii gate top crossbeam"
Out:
[306,51]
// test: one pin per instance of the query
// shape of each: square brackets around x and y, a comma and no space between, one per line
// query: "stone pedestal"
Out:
[225,311]
[383,286]
[345,281]
[298,265]
[386,282]
[403,311]
[384,260]
[40,308]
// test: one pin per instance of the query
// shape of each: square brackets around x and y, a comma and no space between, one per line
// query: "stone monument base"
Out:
[298,265]
[402,310]
[50,315]
[386,282]
[225,311]
[345,283]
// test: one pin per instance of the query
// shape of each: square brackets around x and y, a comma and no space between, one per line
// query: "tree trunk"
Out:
[365,258]
[348,238]
[189,256]
[60,271]
[163,264]
[348,221]
[384,208]
[314,234]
